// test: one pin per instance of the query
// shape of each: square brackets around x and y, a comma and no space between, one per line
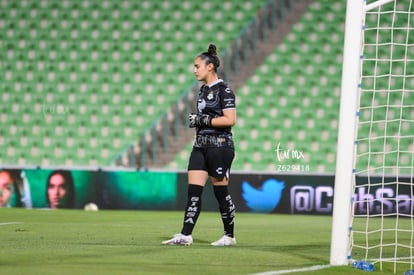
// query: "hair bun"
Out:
[212,49]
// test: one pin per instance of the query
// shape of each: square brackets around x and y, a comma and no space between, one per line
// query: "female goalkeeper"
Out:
[213,149]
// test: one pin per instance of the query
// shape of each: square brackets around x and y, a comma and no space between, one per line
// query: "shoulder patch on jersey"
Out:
[227,90]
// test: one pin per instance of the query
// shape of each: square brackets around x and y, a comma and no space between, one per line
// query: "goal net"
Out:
[382,223]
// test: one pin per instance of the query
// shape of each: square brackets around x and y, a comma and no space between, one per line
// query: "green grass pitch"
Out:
[129,242]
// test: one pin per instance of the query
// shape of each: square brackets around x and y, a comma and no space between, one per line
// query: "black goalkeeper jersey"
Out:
[213,100]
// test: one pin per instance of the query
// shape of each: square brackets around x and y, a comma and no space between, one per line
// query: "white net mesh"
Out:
[383,227]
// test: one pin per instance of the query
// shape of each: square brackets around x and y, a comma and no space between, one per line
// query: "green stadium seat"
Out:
[108,62]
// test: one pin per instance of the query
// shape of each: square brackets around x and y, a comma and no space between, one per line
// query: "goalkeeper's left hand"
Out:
[201,121]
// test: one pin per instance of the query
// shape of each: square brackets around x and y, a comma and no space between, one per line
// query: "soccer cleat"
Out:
[225,241]
[179,239]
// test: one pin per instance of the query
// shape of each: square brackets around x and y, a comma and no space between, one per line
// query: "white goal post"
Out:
[351,67]
[378,67]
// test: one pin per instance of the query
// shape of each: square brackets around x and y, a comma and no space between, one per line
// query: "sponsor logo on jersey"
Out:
[201,105]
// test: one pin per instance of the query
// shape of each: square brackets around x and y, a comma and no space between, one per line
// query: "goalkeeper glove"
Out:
[201,121]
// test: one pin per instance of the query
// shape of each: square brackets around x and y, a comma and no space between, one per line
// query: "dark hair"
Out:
[210,56]
[67,176]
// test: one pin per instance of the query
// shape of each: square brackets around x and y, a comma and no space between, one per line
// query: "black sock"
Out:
[227,209]
[193,208]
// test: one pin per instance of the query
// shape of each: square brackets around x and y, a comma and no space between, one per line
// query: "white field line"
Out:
[277,272]
[389,259]
[8,223]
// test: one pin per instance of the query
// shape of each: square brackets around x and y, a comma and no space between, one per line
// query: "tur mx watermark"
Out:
[289,160]
[285,154]
[54,109]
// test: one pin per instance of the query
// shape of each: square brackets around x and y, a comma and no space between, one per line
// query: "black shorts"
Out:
[215,160]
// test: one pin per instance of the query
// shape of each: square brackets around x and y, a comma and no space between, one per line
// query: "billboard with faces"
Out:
[148,190]
[73,189]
